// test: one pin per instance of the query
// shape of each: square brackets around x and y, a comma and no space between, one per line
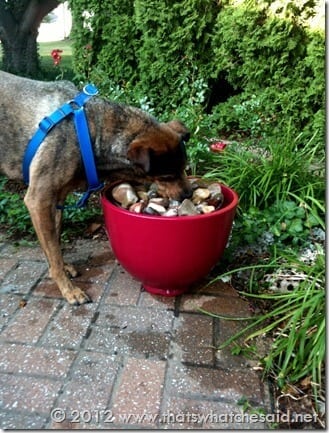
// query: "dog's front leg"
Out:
[70,269]
[46,224]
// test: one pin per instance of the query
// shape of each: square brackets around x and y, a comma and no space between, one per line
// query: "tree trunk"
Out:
[19,24]
[20,55]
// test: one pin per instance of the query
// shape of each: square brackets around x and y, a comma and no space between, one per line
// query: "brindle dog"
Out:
[127,143]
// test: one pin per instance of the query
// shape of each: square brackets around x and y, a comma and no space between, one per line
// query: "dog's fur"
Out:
[128,144]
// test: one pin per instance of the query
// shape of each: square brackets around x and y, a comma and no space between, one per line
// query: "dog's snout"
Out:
[187,192]
[177,189]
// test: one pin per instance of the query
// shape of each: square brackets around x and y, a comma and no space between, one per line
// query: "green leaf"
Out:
[295,226]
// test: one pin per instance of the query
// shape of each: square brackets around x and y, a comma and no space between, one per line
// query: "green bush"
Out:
[250,67]
[277,65]
[157,48]
[174,51]
[104,40]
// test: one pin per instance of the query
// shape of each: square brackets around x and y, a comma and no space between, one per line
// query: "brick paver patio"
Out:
[127,360]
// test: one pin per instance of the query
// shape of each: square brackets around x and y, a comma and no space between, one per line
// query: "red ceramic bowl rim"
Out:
[173,218]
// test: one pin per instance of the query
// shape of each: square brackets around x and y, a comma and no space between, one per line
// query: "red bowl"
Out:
[168,254]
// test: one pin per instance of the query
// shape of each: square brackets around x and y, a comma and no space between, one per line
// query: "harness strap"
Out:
[74,107]
[82,130]
[45,126]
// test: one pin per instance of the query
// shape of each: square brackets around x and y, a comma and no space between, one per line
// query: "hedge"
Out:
[252,70]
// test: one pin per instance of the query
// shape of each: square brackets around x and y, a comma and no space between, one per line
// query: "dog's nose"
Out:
[187,192]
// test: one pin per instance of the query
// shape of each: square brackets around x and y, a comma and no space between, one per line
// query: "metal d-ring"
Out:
[90,90]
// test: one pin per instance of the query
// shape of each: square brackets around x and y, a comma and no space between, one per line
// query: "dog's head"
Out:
[160,152]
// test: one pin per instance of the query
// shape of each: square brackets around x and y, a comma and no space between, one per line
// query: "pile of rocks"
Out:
[206,198]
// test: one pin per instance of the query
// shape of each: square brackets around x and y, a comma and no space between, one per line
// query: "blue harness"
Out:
[75,108]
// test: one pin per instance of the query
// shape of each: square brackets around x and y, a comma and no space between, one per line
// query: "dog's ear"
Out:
[139,155]
[180,128]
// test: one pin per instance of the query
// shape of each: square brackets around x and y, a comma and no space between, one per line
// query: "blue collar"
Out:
[74,107]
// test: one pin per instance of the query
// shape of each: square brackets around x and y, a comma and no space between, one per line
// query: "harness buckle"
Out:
[46,124]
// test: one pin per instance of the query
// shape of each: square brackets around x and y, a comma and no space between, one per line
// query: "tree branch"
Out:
[35,12]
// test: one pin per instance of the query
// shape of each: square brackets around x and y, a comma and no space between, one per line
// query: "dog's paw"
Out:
[70,270]
[77,297]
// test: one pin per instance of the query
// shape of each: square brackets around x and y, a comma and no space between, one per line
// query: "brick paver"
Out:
[128,360]
[138,396]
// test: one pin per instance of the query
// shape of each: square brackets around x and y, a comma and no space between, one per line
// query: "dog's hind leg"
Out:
[43,214]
